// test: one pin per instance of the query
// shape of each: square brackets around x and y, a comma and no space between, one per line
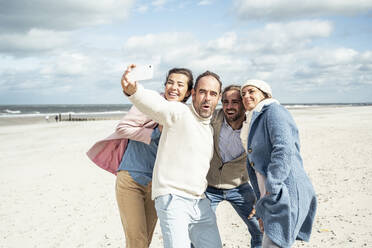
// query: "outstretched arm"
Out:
[136,126]
[150,102]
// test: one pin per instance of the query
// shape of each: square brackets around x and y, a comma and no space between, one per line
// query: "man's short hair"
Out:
[230,87]
[185,72]
[205,74]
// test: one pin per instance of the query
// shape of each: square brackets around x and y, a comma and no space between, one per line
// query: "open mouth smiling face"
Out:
[176,87]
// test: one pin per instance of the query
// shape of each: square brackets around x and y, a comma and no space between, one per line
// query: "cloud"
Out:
[300,29]
[39,26]
[278,52]
[281,53]
[142,9]
[69,64]
[23,15]
[175,46]
[226,42]
[336,56]
[277,37]
[70,70]
[284,9]
[288,55]
[34,41]
[205,2]
[264,53]
[159,3]
[273,37]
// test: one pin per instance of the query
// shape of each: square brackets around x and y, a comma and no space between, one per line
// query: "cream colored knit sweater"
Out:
[185,146]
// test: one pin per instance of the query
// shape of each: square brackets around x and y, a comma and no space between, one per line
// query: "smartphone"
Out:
[141,72]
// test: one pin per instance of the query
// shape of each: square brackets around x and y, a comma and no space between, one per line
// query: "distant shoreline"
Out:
[39,118]
[42,110]
[42,118]
[64,109]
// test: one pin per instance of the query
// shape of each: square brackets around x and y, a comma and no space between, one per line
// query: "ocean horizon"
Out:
[34,110]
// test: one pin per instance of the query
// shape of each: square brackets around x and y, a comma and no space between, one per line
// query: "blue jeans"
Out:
[242,199]
[185,220]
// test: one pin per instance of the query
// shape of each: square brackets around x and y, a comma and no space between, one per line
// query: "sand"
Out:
[51,195]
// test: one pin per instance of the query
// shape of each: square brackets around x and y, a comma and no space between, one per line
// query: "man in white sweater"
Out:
[183,160]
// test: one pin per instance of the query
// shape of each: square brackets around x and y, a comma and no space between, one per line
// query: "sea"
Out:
[111,109]
[40,113]
[63,109]
[31,114]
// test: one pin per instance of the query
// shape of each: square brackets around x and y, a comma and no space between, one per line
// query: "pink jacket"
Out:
[107,153]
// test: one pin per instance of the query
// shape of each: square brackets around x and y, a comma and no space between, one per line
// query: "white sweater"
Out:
[185,146]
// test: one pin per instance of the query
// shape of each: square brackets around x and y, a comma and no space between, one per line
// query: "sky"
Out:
[75,51]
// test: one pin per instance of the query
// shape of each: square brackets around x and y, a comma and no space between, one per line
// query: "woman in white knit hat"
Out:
[286,203]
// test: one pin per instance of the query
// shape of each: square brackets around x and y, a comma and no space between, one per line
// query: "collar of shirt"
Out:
[226,125]
[230,145]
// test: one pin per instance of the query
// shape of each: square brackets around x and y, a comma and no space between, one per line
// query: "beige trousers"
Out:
[137,210]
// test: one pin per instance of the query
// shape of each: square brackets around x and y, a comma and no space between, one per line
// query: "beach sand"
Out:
[52,195]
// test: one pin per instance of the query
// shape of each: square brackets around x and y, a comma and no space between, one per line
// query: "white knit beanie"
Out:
[259,84]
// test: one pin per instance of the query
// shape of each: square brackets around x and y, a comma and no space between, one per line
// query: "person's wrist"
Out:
[127,94]
[128,91]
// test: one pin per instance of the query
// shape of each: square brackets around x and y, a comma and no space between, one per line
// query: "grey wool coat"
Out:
[288,210]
